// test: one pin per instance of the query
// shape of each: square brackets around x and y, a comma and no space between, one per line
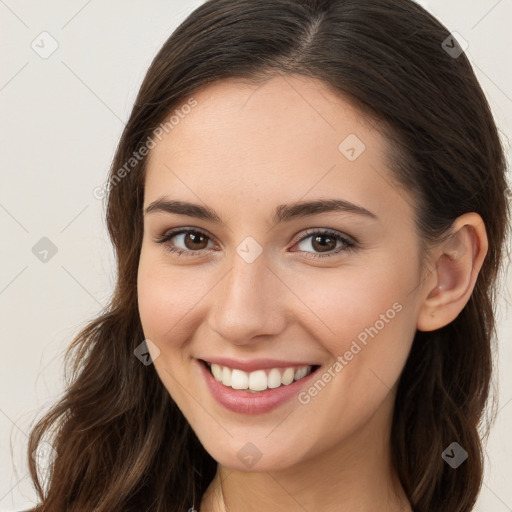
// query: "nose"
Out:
[248,302]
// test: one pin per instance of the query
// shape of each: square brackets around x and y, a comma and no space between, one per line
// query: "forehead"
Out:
[281,111]
[286,139]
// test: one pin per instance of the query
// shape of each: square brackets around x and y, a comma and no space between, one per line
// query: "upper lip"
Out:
[254,364]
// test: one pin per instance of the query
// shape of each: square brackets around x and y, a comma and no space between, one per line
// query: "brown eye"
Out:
[194,240]
[184,242]
[324,244]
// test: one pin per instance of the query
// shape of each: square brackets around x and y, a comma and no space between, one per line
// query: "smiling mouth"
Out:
[258,380]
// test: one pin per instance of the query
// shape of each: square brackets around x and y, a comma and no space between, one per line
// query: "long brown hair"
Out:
[121,442]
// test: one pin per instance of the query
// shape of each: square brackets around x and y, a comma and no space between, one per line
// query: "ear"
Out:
[455,265]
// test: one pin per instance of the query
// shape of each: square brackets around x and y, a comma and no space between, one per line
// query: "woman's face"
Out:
[266,278]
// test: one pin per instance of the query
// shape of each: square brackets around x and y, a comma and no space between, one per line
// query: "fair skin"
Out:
[242,151]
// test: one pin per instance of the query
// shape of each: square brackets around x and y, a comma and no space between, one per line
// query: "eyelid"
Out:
[350,242]
[324,231]
[298,238]
[170,233]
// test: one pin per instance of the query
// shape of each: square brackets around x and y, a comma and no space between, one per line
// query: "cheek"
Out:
[365,318]
[367,327]
[166,296]
[360,302]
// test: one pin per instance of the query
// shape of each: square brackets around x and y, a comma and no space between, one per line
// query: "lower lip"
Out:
[252,403]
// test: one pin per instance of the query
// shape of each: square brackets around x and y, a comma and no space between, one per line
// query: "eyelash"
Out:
[349,245]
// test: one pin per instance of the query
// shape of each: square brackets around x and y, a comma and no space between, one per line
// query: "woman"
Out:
[308,206]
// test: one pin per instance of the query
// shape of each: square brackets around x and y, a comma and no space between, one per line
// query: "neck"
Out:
[356,475]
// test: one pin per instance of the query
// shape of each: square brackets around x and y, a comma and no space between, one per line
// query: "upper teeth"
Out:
[258,380]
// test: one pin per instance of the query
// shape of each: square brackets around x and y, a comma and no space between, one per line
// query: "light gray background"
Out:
[61,118]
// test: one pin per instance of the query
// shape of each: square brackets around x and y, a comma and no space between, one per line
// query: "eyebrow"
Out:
[282,213]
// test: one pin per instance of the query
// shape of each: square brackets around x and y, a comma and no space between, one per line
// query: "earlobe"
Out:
[456,264]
